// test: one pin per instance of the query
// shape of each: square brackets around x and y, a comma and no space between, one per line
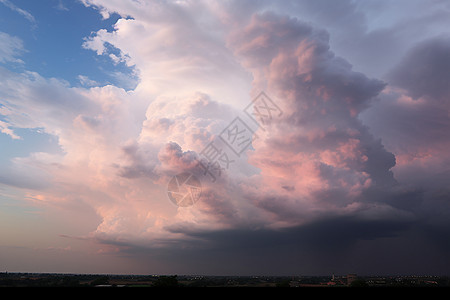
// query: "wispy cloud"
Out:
[17,9]
[61,6]
[10,48]
[85,81]
[6,130]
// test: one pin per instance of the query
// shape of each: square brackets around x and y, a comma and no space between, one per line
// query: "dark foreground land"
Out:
[186,281]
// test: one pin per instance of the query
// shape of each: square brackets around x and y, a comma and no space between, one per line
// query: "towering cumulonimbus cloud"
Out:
[315,159]
[350,174]
[318,151]
[318,164]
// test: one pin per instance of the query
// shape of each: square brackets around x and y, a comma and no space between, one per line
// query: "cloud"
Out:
[318,147]
[315,249]
[422,72]
[10,48]
[120,160]
[415,111]
[6,130]
[415,121]
[317,178]
[358,28]
[85,81]
[173,50]
[60,6]
[20,11]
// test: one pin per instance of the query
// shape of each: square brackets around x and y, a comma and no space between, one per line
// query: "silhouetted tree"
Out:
[100,280]
[166,281]
[358,283]
[283,283]
[69,281]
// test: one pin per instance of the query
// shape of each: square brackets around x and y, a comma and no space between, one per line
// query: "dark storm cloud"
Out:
[412,118]
[336,244]
[325,235]
[417,127]
[425,70]
[321,247]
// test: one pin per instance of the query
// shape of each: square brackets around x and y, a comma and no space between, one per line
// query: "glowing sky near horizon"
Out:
[103,102]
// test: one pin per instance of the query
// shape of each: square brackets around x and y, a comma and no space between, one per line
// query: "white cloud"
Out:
[85,81]
[4,127]
[10,48]
[17,9]
[61,6]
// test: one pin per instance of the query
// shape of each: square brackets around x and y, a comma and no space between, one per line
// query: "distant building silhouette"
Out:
[351,278]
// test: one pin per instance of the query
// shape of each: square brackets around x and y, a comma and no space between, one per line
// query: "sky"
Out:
[225,137]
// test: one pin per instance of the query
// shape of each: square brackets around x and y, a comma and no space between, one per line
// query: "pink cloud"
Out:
[121,148]
[318,147]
